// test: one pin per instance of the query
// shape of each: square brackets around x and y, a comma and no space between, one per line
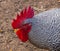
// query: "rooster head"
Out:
[22,29]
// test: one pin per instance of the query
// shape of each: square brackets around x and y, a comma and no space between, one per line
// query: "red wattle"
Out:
[22,36]
[23,32]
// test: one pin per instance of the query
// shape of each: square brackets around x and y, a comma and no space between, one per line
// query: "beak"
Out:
[15,30]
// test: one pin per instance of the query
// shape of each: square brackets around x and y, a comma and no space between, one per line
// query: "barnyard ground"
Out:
[8,10]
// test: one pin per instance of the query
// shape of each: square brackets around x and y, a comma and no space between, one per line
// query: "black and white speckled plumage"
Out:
[45,32]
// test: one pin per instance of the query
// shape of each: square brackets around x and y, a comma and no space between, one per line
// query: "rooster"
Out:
[42,30]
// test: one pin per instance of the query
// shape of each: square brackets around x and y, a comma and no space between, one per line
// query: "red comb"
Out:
[25,14]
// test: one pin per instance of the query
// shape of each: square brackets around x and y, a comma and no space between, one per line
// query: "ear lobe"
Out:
[28,27]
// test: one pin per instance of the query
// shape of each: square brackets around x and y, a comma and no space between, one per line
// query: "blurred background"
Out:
[8,10]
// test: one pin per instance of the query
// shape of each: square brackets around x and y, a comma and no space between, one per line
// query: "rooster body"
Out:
[45,30]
